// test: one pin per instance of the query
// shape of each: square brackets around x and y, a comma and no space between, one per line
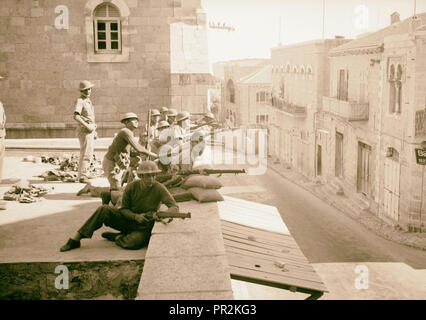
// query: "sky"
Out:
[257,22]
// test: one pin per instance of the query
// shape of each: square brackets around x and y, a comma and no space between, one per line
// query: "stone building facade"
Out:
[374,118]
[300,77]
[140,54]
[234,93]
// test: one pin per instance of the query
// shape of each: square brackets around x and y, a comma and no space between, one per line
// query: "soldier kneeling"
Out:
[134,219]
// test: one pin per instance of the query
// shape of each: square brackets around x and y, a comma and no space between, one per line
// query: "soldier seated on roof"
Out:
[141,199]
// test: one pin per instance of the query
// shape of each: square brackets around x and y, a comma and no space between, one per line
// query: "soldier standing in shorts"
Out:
[84,114]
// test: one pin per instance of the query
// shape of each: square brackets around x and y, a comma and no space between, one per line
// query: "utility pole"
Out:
[279,34]
[414,8]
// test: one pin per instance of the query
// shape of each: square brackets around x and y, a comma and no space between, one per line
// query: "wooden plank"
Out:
[287,259]
[251,246]
[256,231]
[268,258]
[248,248]
[275,281]
[262,265]
[288,241]
[274,236]
[272,247]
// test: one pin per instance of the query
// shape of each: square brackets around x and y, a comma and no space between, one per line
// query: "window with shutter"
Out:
[107,28]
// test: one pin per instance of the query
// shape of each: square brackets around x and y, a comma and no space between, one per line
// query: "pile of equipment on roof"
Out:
[68,168]
[24,192]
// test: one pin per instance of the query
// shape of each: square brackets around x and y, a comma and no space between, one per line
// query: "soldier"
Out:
[163,112]
[171,117]
[84,114]
[2,136]
[134,219]
[158,142]
[119,150]
[183,122]
[183,134]
[143,137]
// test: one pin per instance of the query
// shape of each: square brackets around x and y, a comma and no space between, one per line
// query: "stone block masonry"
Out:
[43,65]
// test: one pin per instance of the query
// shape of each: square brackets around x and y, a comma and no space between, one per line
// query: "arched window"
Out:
[392,91]
[287,68]
[282,88]
[398,89]
[295,72]
[107,27]
[309,72]
[302,71]
[230,91]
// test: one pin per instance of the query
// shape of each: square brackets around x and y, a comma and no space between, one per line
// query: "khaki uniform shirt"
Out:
[85,109]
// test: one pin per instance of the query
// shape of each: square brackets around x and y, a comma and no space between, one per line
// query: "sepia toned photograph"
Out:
[224,151]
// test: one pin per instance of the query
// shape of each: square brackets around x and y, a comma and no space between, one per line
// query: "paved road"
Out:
[323,233]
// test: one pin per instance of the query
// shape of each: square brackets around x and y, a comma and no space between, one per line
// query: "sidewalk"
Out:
[348,207]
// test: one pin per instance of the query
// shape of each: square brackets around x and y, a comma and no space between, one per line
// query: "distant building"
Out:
[300,77]
[140,54]
[374,116]
[234,105]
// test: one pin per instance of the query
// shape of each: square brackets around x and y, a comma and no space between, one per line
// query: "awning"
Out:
[260,249]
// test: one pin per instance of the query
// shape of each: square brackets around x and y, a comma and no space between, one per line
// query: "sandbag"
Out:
[180,194]
[202,181]
[206,195]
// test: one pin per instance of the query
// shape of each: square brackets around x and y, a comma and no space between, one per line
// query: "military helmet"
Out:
[148,166]
[163,124]
[182,116]
[84,85]
[164,109]
[129,115]
[155,112]
[172,113]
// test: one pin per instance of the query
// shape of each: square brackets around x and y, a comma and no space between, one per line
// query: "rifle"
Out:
[166,177]
[210,171]
[148,142]
[166,214]
[160,215]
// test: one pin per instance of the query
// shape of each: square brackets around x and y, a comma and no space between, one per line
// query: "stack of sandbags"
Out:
[203,188]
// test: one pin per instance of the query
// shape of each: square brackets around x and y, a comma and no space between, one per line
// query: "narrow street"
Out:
[323,233]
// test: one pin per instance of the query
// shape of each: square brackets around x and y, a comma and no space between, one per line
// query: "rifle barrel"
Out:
[165,214]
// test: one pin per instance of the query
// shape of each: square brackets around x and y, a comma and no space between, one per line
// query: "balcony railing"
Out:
[349,110]
[420,123]
[292,109]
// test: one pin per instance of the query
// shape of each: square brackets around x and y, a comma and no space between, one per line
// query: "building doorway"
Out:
[319,160]
[364,155]
[339,155]
[391,185]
